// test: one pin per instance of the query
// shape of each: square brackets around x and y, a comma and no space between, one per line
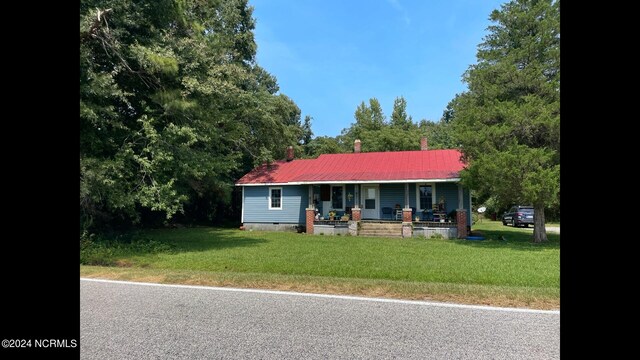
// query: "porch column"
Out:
[311,216]
[461,218]
[356,196]
[310,202]
[406,195]
[460,197]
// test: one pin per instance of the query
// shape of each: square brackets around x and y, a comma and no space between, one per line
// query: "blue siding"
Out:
[391,194]
[449,191]
[294,203]
[412,196]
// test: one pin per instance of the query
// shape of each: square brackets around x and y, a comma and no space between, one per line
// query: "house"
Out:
[414,192]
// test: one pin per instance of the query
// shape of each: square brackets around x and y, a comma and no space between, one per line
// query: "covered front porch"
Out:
[425,208]
[427,201]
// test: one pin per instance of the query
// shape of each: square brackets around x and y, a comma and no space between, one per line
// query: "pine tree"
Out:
[508,122]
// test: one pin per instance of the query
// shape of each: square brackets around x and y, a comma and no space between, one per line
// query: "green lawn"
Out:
[512,271]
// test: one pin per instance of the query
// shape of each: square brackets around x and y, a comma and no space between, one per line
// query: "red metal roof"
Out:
[371,166]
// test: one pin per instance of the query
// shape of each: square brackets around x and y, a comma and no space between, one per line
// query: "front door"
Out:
[371,208]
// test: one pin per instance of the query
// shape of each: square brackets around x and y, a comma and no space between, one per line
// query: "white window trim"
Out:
[281,198]
[433,195]
[344,194]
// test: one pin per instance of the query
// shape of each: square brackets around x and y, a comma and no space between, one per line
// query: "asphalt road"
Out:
[131,321]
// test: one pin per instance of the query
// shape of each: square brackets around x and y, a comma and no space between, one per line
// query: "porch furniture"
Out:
[387,211]
[439,212]
[398,214]
[439,215]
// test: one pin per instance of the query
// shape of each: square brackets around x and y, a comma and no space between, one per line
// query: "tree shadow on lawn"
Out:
[115,250]
[201,239]
[517,239]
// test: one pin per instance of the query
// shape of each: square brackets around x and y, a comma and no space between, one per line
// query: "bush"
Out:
[436,236]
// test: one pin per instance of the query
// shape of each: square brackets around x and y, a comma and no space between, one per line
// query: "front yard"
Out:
[505,270]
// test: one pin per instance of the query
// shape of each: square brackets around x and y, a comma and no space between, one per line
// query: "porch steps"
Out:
[380,229]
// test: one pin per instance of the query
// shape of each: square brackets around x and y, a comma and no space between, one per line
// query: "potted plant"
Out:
[332,214]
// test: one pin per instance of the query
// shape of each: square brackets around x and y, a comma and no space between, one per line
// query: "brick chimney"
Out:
[290,153]
[356,146]
[423,143]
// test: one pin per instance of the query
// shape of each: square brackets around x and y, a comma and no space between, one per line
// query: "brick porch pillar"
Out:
[461,219]
[356,214]
[407,221]
[407,230]
[311,216]
[406,215]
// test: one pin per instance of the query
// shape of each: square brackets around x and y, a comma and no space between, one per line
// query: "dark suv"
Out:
[518,215]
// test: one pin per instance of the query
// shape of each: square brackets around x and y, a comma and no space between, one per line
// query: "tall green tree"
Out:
[399,117]
[508,122]
[378,120]
[307,133]
[398,134]
[173,106]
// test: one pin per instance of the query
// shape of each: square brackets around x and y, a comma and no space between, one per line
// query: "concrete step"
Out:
[398,230]
[389,231]
[380,229]
[380,233]
[380,226]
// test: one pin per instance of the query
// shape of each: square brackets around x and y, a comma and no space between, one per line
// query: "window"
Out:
[425,196]
[337,197]
[275,198]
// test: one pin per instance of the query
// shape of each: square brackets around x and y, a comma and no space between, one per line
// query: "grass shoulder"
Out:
[504,270]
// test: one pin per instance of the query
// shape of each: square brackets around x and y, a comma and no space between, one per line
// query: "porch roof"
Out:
[371,167]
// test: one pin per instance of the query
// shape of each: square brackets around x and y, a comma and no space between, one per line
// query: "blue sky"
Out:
[329,55]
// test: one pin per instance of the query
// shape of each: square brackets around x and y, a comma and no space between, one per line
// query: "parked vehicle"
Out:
[518,216]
